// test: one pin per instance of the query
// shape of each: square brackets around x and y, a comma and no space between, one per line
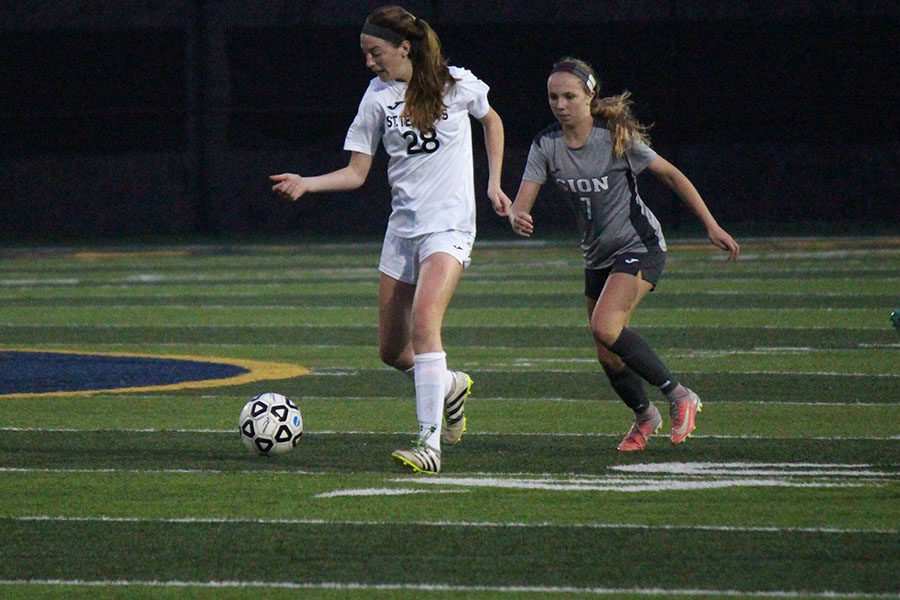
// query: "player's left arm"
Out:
[676,181]
[493,144]
[520,218]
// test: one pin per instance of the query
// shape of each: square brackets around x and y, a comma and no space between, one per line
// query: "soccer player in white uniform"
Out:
[593,155]
[418,108]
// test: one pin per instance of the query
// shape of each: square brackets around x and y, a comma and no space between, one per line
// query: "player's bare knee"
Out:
[610,362]
[605,335]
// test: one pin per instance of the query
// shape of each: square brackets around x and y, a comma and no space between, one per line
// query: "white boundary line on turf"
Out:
[473,524]
[437,587]
[158,471]
[733,373]
[366,294]
[128,396]
[367,306]
[471,433]
[291,472]
[373,325]
[363,276]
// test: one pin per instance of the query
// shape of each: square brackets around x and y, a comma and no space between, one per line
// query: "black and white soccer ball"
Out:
[270,424]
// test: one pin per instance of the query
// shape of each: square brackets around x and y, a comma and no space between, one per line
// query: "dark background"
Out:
[132,119]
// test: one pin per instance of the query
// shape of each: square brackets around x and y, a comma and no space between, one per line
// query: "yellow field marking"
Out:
[258,371]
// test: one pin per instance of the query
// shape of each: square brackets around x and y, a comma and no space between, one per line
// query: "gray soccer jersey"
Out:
[602,190]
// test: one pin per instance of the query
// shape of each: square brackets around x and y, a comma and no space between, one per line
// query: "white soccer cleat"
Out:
[454,405]
[420,458]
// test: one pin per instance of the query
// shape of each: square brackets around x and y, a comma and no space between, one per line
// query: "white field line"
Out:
[742,469]
[439,523]
[754,372]
[488,399]
[524,367]
[774,351]
[41,282]
[274,276]
[463,483]
[258,292]
[870,259]
[507,349]
[111,470]
[591,401]
[366,276]
[862,245]
[366,307]
[369,306]
[612,484]
[438,587]
[372,325]
[698,473]
[472,433]
[366,294]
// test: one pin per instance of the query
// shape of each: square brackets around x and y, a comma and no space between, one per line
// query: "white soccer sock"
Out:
[448,380]
[431,377]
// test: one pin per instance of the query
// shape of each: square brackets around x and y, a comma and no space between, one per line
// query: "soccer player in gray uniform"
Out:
[593,154]
[419,109]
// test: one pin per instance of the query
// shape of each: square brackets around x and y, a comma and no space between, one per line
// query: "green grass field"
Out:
[789,488]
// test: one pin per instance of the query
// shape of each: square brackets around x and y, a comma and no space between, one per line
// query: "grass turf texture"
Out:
[152,494]
[381,553]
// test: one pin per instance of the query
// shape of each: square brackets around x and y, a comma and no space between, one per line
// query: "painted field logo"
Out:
[658,477]
[26,373]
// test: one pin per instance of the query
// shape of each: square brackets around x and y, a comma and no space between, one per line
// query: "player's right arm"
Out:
[520,212]
[351,177]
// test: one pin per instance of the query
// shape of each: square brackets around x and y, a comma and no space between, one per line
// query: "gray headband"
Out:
[384,33]
[578,71]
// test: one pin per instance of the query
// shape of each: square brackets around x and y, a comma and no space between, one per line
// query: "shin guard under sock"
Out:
[637,354]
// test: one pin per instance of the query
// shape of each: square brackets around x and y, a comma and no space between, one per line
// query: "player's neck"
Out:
[576,134]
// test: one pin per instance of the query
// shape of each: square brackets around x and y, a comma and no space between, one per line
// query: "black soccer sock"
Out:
[630,388]
[637,354]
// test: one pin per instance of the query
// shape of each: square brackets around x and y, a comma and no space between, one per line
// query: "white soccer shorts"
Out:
[401,257]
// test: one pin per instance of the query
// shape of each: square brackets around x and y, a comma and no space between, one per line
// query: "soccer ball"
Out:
[270,424]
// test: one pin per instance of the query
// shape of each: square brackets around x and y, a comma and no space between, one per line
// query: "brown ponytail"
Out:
[424,101]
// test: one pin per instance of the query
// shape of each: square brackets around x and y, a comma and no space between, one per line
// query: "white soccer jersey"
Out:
[430,174]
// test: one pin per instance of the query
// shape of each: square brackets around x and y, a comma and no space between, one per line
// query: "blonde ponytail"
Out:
[624,128]
[613,111]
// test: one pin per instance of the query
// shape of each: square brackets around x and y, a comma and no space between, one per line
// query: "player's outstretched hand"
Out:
[289,185]
[521,222]
[720,238]
[499,200]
